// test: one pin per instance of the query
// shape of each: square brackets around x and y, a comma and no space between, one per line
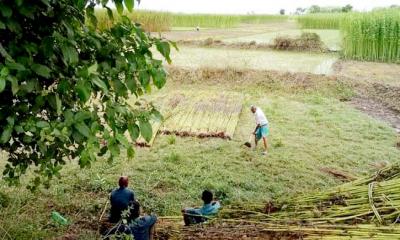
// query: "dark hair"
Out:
[207,196]
[123,181]
[134,210]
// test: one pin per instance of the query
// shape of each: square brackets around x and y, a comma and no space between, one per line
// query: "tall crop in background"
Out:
[64,86]
[153,21]
[321,20]
[373,36]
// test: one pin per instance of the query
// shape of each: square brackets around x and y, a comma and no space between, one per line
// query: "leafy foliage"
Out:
[64,86]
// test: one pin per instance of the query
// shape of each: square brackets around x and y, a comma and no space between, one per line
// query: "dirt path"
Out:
[377,110]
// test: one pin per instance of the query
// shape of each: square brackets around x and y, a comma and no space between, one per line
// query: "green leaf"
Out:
[15,66]
[130,152]
[5,11]
[159,77]
[129,5]
[134,131]
[6,135]
[100,83]
[83,91]
[122,139]
[2,25]
[82,116]
[41,70]
[70,54]
[93,69]
[58,105]
[120,6]
[131,83]
[4,72]
[14,84]
[146,130]
[144,78]
[2,84]
[82,129]
[165,50]
[42,124]
[4,53]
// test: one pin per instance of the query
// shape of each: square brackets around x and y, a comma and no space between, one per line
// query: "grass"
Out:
[310,129]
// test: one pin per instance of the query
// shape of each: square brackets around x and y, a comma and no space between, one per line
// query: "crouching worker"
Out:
[141,227]
[199,215]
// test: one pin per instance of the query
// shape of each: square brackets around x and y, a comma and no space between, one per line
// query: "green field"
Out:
[307,98]
[310,128]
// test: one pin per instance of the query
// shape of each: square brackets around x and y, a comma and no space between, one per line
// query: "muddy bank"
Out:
[377,110]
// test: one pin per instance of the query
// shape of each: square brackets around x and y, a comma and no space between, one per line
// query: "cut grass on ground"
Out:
[309,130]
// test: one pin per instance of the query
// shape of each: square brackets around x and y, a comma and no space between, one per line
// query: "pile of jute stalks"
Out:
[367,208]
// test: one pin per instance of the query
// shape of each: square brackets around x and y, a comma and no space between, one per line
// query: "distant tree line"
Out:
[319,9]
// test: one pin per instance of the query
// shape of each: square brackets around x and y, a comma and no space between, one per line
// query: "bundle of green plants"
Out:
[375,199]
[367,208]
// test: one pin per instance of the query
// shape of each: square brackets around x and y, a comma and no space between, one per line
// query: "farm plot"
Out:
[198,113]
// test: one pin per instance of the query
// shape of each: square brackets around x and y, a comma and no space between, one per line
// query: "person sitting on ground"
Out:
[262,127]
[120,199]
[199,215]
[141,227]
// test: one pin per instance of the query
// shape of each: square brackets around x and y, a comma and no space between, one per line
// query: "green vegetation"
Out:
[154,21]
[321,20]
[370,202]
[63,88]
[310,129]
[373,36]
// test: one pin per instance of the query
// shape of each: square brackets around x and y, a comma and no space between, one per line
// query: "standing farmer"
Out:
[262,128]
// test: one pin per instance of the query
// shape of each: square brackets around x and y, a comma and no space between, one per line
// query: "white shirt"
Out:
[260,117]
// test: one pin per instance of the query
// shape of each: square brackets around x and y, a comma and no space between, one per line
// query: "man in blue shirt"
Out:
[120,199]
[199,215]
[141,227]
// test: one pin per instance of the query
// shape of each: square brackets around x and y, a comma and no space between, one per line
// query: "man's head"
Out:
[123,181]
[253,108]
[207,196]
[134,210]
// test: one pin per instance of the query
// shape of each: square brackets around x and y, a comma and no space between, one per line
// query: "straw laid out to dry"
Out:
[202,114]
